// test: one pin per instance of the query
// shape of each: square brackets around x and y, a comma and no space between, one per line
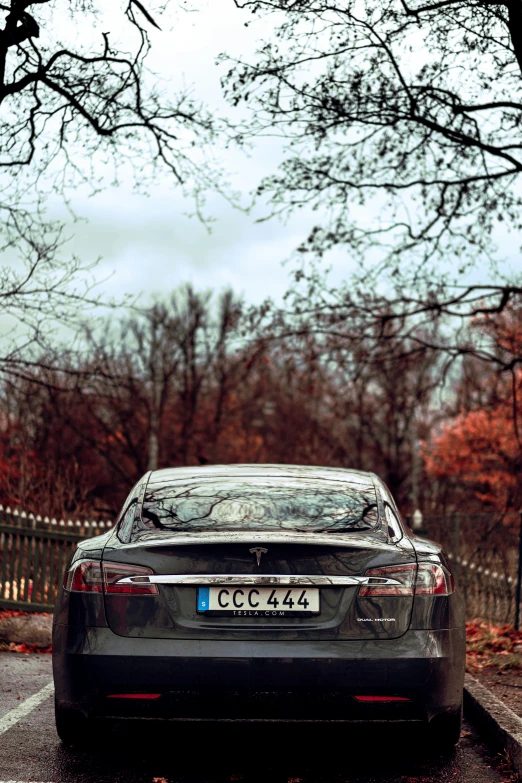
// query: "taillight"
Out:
[146,696]
[404,574]
[113,572]
[381,698]
[421,579]
[433,579]
[85,576]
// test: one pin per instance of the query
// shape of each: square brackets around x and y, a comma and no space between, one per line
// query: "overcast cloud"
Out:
[149,245]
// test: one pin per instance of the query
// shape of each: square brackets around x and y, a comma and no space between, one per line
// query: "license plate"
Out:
[258,601]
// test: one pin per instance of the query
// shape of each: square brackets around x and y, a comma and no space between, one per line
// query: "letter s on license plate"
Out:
[258,601]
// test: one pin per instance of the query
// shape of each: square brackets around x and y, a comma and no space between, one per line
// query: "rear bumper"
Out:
[259,679]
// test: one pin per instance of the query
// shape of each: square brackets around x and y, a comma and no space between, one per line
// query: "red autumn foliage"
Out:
[23,648]
[488,645]
[4,613]
[216,392]
[481,447]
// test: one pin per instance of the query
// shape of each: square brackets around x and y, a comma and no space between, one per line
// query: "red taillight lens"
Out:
[421,579]
[433,580]
[114,572]
[380,698]
[404,574]
[147,696]
[85,576]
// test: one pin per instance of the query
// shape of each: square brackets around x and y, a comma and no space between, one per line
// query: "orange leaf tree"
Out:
[481,447]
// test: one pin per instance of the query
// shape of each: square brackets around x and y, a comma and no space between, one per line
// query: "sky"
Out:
[149,245]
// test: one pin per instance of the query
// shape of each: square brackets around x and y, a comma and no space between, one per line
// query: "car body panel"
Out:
[93,662]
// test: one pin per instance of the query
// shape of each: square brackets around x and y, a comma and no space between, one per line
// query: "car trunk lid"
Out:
[334,564]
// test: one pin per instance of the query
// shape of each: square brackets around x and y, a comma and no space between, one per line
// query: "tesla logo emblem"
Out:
[258,551]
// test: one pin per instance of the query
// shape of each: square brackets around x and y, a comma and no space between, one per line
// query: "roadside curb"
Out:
[502,725]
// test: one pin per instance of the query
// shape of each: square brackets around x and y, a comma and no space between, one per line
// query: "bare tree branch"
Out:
[412,113]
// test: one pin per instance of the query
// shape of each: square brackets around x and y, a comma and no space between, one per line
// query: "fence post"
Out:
[456,548]
[519,578]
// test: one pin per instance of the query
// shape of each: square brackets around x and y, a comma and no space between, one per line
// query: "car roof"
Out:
[167,476]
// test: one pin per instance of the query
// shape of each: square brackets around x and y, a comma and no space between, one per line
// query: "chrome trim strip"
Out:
[285,580]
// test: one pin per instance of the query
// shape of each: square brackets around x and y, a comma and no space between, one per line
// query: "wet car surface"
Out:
[259,593]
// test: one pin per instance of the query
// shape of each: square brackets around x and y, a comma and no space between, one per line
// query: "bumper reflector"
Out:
[380,698]
[134,695]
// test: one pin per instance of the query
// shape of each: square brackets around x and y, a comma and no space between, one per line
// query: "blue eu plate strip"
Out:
[203,599]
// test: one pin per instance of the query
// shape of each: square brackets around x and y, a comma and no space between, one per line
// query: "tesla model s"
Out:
[259,593]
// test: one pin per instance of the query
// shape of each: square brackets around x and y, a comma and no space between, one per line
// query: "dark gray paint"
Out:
[160,643]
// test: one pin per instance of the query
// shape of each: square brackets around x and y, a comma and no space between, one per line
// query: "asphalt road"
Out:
[31,752]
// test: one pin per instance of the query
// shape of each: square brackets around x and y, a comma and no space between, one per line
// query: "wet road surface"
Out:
[30,751]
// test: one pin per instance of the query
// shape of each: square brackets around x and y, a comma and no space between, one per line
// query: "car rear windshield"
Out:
[258,504]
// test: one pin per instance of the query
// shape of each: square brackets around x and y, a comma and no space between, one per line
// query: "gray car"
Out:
[259,593]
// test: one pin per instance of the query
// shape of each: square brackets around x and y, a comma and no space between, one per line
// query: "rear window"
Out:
[274,503]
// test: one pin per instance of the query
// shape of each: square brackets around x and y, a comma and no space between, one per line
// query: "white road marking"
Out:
[23,709]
